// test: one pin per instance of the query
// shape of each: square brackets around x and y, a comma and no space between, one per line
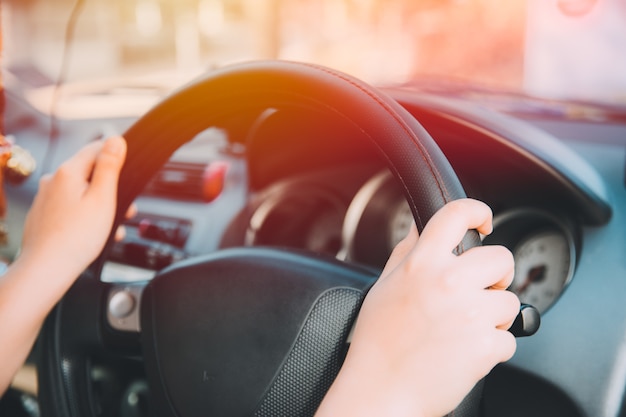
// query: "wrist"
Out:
[358,393]
[41,280]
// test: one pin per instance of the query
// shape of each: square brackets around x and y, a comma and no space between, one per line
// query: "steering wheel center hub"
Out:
[226,334]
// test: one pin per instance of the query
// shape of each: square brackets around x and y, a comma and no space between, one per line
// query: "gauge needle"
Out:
[536,274]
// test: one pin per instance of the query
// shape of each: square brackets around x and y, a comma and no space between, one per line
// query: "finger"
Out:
[81,164]
[501,307]
[120,233]
[448,226]
[489,349]
[44,179]
[495,266]
[131,211]
[506,345]
[44,182]
[402,249]
[492,347]
[108,164]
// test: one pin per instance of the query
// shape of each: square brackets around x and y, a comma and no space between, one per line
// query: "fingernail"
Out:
[114,145]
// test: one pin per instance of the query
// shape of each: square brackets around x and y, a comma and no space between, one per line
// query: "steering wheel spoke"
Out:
[71,334]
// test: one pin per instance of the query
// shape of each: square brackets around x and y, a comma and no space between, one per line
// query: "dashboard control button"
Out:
[122,304]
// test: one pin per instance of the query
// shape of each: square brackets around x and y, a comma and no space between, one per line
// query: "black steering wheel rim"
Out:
[420,168]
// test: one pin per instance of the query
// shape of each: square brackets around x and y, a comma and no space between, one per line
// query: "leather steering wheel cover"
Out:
[412,156]
[404,144]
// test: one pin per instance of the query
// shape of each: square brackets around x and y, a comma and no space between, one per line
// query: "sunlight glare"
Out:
[148,17]
[210,17]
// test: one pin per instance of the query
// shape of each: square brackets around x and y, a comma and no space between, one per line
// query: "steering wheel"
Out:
[244,331]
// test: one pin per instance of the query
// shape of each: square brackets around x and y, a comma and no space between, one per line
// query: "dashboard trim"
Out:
[544,150]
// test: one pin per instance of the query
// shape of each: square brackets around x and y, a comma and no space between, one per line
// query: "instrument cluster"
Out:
[367,228]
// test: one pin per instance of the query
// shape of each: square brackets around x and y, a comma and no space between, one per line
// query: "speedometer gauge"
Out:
[543,267]
[544,246]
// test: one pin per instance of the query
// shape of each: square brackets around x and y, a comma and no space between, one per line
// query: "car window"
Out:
[556,49]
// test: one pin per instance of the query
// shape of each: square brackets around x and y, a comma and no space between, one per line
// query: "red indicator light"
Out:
[213,180]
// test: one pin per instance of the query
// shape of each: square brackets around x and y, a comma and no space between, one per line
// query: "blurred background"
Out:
[550,48]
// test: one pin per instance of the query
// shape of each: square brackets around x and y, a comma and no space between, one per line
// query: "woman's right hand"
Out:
[432,326]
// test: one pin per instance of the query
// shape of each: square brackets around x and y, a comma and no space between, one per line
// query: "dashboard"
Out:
[356,212]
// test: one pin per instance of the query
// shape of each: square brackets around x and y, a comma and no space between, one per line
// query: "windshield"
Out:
[558,49]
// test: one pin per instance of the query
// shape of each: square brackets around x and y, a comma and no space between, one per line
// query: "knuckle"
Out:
[449,281]
[503,254]
[403,245]
[456,208]
[44,180]
[63,171]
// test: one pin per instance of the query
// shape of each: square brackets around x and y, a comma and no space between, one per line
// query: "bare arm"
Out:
[65,230]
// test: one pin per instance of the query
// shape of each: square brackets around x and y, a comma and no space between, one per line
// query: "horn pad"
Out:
[249,331]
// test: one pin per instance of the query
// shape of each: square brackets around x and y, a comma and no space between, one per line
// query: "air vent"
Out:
[178,180]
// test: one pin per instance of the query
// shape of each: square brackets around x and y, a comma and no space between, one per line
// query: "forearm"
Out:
[27,294]
[354,393]
[67,226]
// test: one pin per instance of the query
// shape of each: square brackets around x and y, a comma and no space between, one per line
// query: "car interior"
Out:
[270,194]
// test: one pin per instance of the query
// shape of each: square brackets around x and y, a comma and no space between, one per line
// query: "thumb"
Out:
[108,164]
[401,251]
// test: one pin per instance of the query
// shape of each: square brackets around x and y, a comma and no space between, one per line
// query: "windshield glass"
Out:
[557,49]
